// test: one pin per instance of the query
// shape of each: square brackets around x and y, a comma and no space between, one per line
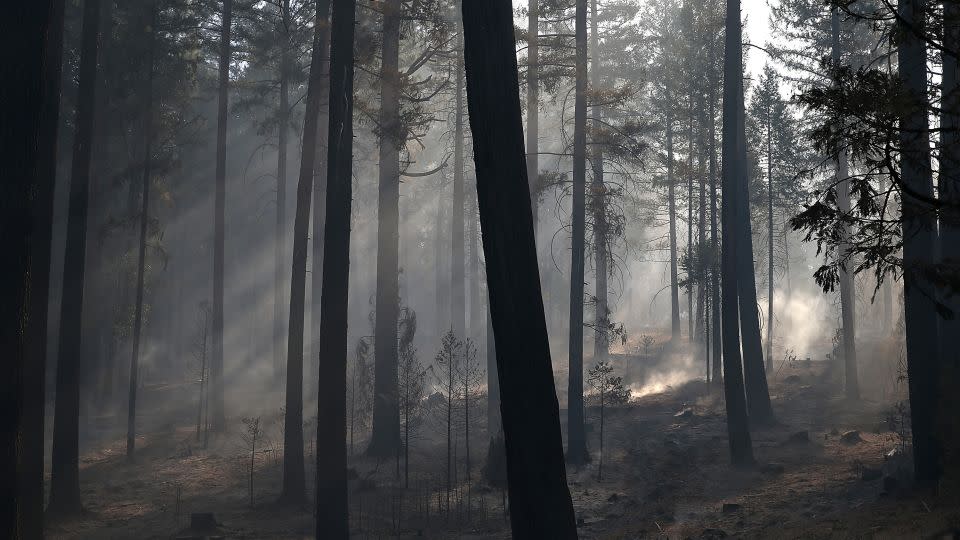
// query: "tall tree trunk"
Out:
[385,437]
[715,302]
[847,292]
[540,504]
[65,478]
[29,107]
[738,432]
[919,246]
[533,106]
[142,249]
[319,205]
[755,378]
[220,201]
[672,213]
[494,423]
[601,338]
[332,498]
[949,186]
[457,270]
[770,235]
[294,482]
[576,431]
[703,318]
[690,315]
[279,238]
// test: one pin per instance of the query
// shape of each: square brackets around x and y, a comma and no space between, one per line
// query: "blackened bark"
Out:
[919,245]
[220,201]
[576,431]
[294,483]
[319,205]
[601,338]
[144,219]
[714,241]
[734,173]
[385,436]
[331,500]
[851,384]
[65,478]
[32,38]
[280,239]
[457,268]
[672,214]
[533,105]
[755,377]
[540,504]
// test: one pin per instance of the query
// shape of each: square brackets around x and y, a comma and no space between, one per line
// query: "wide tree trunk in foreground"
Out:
[576,431]
[65,479]
[385,436]
[294,481]
[734,167]
[33,38]
[540,504]
[331,500]
[919,247]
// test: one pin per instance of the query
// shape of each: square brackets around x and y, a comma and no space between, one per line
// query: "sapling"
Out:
[610,389]
[250,436]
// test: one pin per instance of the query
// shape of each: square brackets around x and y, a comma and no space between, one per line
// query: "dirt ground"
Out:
[666,474]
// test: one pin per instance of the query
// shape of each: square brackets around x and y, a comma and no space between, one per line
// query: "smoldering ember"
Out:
[533,269]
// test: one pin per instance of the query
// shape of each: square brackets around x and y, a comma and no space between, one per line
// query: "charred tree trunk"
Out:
[577,453]
[540,501]
[33,40]
[672,212]
[601,338]
[847,291]
[533,106]
[331,500]
[294,483]
[280,239]
[142,250]
[65,478]
[457,270]
[734,161]
[755,377]
[715,302]
[385,437]
[770,236]
[220,201]
[319,205]
[919,246]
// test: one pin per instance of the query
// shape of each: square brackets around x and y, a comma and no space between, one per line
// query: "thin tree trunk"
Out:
[142,250]
[703,320]
[847,292]
[533,106]
[280,239]
[715,302]
[738,432]
[220,200]
[385,437]
[319,205]
[672,212]
[770,235]
[690,315]
[332,498]
[65,479]
[33,41]
[541,506]
[577,453]
[919,246]
[476,307]
[457,270]
[601,339]
[294,483]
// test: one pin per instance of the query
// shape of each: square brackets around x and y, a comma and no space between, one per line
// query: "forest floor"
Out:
[666,474]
